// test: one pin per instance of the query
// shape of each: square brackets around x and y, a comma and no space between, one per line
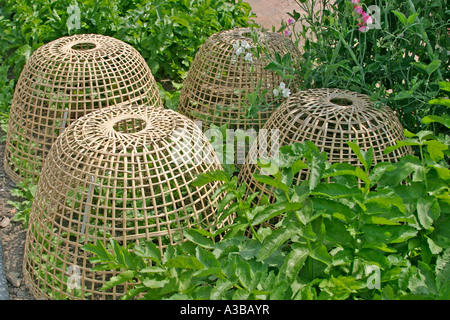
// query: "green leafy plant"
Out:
[349,232]
[166,33]
[401,60]
[24,193]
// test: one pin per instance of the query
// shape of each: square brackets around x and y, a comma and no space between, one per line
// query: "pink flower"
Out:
[355,1]
[291,21]
[364,29]
[359,10]
[287,33]
[367,18]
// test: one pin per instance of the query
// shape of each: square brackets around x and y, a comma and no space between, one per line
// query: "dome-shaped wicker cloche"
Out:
[329,118]
[63,80]
[225,71]
[122,173]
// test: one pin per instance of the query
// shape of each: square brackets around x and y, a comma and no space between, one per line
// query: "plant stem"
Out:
[425,38]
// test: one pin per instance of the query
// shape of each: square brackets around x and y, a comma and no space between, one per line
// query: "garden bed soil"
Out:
[12,235]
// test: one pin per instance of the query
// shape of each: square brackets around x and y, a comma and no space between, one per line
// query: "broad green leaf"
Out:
[379,236]
[340,288]
[337,232]
[443,173]
[149,250]
[330,207]
[100,250]
[206,257]
[334,190]
[433,66]
[320,253]
[308,213]
[385,198]
[118,252]
[443,266]
[229,196]
[243,273]
[220,289]
[380,220]
[274,210]
[440,101]
[400,16]
[445,85]
[269,167]
[420,65]
[153,283]
[406,166]
[196,236]
[434,248]
[307,232]
[423,282]
[275,240]
[317,171]
[205,178]
[411,19]
[435,149]
[441,233]
[152,270]
[364,157]
[378,170]
[445,120]
[298,165]
[271,182]
[404,143]
[374,257]
[184,263]
[403,95]
[427,211]
[294,262]
[120,278]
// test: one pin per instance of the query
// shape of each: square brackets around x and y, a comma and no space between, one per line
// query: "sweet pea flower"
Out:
[363,28]
[249,57]
[245,45]
[359,10]
[282,90]
[240,47]
[291,21]
[236,45]
[367,18]
[287,33]
[355,1]
[240,51]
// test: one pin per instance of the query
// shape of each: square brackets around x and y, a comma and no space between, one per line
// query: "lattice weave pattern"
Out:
[63,80]
[329,118]
[120,173]
[220,78]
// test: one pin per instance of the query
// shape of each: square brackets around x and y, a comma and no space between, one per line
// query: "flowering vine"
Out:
[364,18]
[282,90]
[240,48]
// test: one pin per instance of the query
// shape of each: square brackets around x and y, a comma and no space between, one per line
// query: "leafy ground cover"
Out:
[377,232]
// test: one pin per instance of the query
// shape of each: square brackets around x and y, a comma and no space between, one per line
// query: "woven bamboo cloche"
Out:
[224,71]
[120,173]
[63,80]
[329,118]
